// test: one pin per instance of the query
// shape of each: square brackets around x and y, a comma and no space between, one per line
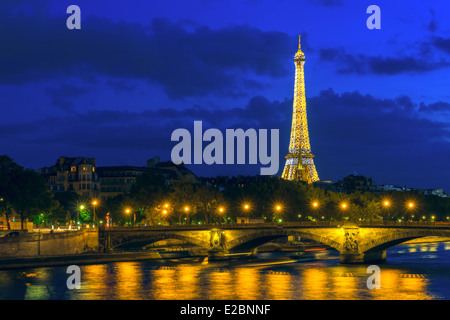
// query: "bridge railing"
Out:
[405,224]
[277,225]
[226,226]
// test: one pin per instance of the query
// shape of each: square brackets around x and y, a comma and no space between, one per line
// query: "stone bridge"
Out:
[357,243]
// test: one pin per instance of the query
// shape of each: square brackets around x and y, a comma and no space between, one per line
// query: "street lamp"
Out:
[94,204]
[128,211]
[186,209]
[246,207]
[78,215]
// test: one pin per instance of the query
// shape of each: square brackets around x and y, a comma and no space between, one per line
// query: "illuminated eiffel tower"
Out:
[299,161]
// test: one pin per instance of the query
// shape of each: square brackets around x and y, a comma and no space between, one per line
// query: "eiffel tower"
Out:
[299,161]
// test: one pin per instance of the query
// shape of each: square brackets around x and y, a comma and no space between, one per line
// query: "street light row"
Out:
[246,207]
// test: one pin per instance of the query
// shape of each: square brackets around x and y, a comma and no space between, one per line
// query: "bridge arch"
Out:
[392,239]
[257,238]
[144,238]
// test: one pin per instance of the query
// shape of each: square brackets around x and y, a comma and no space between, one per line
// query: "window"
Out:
[73,169]
[84,186]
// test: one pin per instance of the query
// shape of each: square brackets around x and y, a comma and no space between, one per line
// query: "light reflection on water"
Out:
[416,271]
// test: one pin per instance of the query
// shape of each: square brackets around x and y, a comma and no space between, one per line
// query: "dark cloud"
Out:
[62,95]
[442,44]
[432,26]
[114,134]
[382,138]
[328,3]
[362,64]
[439,106]
[185,61]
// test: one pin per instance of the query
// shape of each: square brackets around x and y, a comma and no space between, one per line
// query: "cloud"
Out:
[328,3]
[362,64]
[432,26]
[439,106]
[442,44]
[184,61]
[60,96]
[386,139]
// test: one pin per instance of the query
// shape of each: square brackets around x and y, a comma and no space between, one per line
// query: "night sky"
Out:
[378,100]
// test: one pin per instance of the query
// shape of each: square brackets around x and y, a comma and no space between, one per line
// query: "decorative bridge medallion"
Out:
[216,239]
[351,240]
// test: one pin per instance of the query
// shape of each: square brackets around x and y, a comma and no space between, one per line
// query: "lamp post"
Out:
[278,211]
[186,209]
[78,216]
[128,211]
[94,204]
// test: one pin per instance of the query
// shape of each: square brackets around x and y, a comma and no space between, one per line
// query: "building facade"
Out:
[80,175]
[75,174]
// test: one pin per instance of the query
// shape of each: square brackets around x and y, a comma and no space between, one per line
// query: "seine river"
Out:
[414,271]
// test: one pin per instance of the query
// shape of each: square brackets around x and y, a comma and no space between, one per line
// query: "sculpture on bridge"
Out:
[351,240]
[216,239]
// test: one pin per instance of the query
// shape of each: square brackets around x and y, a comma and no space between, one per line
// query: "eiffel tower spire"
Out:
[299,161]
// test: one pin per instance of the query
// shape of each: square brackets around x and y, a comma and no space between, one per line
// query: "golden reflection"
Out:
[345,286]
[413,286]
[412,249]
[165,284]
[279,285]
[95,281]
[188,277]
[248,279]
[315,285]
[221,285]
[129,281]
[389,285]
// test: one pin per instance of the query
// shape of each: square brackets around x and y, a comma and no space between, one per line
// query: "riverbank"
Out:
[91,258]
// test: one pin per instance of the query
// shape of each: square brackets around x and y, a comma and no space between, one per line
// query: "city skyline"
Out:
[116,89]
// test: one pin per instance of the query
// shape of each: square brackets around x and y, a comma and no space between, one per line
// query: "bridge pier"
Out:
[366,257]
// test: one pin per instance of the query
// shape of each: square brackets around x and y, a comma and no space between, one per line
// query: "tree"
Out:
[32,195]
[24,190]
[9,171]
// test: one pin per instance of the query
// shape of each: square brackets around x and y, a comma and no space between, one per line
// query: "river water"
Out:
[413,271]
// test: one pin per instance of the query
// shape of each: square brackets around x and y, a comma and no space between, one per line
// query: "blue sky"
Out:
[378,100]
